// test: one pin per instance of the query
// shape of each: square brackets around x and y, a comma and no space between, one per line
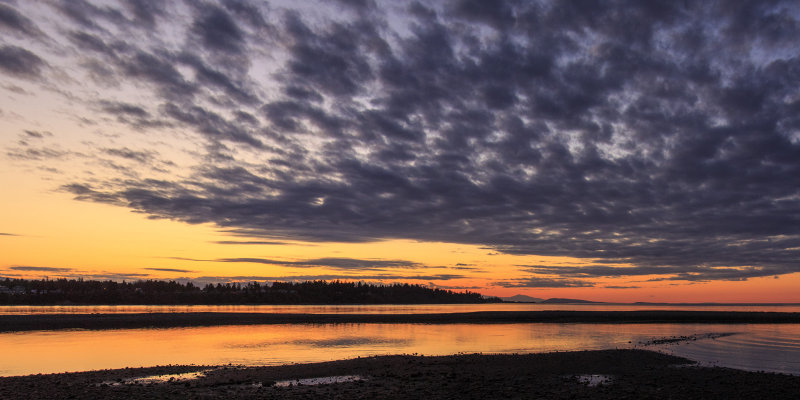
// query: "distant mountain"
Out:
[521,298]
[566,301]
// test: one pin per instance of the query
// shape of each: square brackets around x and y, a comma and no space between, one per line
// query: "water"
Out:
[387,308]
[754,347]
[774,348]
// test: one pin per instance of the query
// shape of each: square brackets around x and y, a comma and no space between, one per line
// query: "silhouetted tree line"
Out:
[78,291]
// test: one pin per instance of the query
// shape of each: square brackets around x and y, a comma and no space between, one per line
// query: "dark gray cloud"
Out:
[595,271]
[680,273]
[87,15]
[37,134]
[217,30]
[658,134]
[7,234]
[345,264]
[169,270]
[111,276]
[466,267]
[20,62]
[41,153]
[143,157]
[13,21]
[448,287]
[252,242]
[536,282]
[722,274]
[39,269]
[145,12]
[73,273]
[124,109]
[328,277]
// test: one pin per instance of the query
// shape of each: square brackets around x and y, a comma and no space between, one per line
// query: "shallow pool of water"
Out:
[754,347]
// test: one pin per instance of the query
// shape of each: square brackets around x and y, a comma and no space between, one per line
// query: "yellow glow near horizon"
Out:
[55,231]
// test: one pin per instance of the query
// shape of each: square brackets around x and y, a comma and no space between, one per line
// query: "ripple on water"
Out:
[758,350]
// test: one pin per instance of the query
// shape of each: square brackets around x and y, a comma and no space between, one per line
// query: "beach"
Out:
[16,323]
[621,372]
[606,374]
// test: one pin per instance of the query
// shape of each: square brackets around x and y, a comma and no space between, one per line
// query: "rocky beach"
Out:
[606,374]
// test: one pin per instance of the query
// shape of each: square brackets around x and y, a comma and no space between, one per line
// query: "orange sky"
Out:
[106,242]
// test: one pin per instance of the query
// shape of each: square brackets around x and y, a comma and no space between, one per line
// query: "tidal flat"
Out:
[604,374]
[16,323]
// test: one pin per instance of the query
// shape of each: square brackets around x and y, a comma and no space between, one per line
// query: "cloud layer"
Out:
[660,134]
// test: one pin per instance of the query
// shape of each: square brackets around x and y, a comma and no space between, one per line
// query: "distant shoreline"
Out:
[18,323]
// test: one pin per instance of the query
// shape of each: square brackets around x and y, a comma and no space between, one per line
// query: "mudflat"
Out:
[12,323]
[605,374]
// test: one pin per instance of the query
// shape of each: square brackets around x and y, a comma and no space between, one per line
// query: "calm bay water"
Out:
[755,347]
[389,308]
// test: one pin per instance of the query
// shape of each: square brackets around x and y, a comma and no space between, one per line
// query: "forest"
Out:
[152,292]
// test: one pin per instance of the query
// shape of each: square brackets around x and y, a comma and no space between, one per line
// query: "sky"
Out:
[610,151]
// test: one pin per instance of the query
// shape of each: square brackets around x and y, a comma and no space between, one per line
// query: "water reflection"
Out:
[760,347]
[383,308]
[771,348]
[158,379]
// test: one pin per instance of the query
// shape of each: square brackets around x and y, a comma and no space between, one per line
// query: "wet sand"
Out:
[625,374]
[13,323]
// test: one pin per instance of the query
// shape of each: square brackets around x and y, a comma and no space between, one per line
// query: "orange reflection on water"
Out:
[59,351]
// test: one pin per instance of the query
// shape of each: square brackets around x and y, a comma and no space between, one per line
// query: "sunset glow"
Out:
[555,153]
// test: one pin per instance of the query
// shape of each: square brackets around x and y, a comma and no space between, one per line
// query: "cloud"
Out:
[722,274]
[143,157]
[457,266]
[124,109]
[37,134]
[168,270]
[19,62]
[328,277]
[446,287]
[536,282]
[7,234]
[682,273]
[252,242]
[658,135]
[37,154]
[217,31]
[13,21]
[344,264]
[112,276]
[39,269]
[72,273]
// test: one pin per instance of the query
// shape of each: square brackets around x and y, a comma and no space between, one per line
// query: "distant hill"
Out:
[521,298]
[566,301]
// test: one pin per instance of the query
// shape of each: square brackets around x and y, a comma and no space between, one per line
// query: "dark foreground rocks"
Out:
[631,374]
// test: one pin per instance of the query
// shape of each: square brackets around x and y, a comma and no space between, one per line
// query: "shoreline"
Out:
[20,323]
[601,374]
